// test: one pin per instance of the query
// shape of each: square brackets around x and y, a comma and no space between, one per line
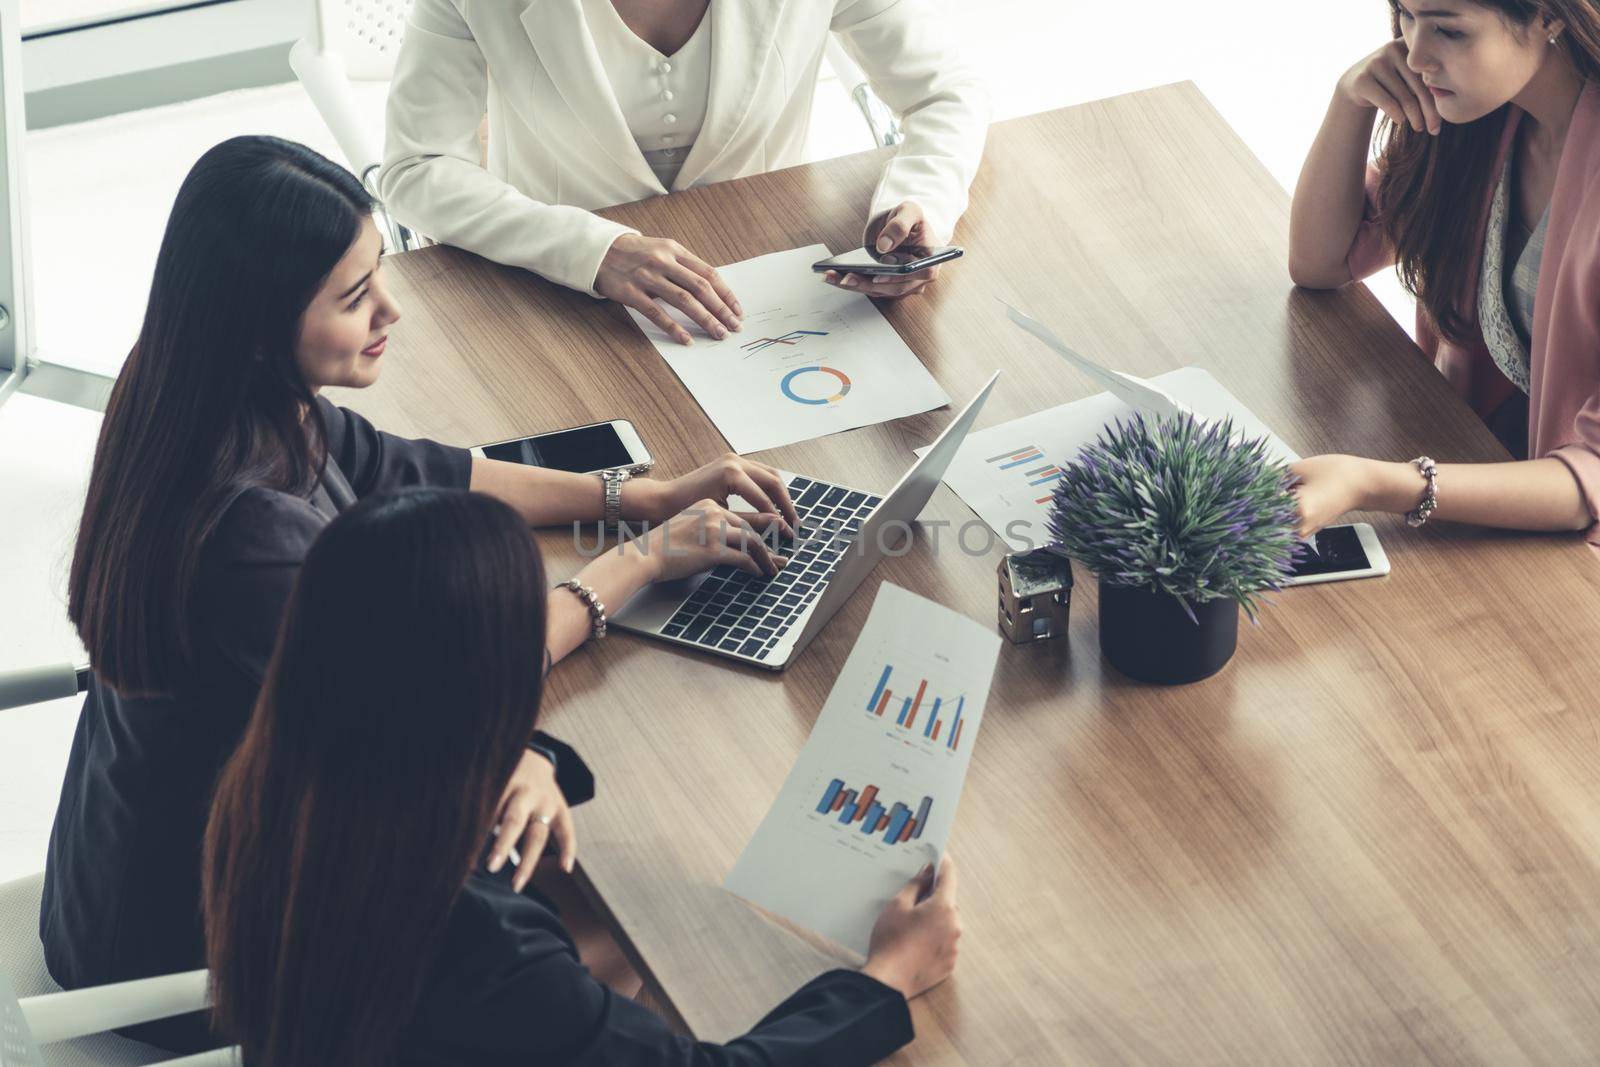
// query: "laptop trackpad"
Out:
[653,605]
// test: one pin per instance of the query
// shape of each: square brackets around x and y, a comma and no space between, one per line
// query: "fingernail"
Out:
[719,333]
[884,244]
[496,863]
[567,866]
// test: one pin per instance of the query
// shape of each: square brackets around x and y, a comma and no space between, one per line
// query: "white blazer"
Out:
[559,146]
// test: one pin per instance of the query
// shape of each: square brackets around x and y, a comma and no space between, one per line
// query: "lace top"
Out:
[1505,297]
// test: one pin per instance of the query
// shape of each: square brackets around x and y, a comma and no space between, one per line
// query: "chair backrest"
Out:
[40,1026]
[364,34]
[885,129]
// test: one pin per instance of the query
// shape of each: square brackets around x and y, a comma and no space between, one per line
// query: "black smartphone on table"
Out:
[903,260]
[597,446]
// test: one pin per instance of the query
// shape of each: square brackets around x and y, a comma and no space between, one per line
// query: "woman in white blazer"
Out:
[600,102]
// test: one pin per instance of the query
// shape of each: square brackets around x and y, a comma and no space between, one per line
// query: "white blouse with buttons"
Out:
[663,98]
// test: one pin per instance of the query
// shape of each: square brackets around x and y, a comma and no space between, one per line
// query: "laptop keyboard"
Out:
[736,611]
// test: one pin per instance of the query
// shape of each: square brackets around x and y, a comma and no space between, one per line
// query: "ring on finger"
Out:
[544,820]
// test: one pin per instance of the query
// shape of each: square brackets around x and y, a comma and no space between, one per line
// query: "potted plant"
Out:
[1183,526]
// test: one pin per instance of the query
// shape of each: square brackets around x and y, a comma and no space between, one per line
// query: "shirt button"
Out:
[664,68]
[666,94]
[670,152]
[669,119]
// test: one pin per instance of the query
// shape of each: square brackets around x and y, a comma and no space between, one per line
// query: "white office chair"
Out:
[49,1028]
[359,41]
[34,1011]
[35,685]
[353,41]
[880,120]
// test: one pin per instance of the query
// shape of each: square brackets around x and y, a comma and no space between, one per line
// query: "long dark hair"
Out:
[211,399]
[1427,182]
[403,690]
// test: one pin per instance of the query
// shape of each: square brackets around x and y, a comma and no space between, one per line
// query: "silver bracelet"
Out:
[597,610]
[1430,496]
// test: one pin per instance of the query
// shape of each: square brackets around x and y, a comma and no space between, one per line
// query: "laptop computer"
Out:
[843,532]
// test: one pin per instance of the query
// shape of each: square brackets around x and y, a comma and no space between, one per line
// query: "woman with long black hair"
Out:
[349,919]
[1483,197]
[218,462]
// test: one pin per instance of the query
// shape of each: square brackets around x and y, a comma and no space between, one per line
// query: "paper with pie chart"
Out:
[873,795]
[811,359]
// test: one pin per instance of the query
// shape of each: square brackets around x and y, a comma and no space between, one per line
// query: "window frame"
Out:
[78,72]
[16,335]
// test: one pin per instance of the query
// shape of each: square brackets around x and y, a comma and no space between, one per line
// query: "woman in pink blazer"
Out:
[1486,196]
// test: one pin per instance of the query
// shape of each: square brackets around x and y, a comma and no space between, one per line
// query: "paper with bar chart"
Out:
[1006,473]
[873,795]
[811,359]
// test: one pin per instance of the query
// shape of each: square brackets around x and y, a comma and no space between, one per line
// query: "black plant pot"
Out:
[1149,637]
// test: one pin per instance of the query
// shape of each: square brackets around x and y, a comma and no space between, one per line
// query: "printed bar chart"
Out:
[1041,474]
[896,823]
[955,726]
[880,695]
[911,709]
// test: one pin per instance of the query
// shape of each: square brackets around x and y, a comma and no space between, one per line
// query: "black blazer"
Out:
[508,989]
[122,882]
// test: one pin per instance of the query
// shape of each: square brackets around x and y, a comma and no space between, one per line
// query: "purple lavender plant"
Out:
[1177,506]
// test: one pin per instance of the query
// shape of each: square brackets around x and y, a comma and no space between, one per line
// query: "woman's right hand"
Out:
[1384,81]
[913,945]
[638,271]
[705,534]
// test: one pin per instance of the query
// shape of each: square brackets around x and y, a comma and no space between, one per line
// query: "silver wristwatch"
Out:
[613,480]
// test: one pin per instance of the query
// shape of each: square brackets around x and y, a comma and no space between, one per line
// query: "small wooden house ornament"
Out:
[1035,595]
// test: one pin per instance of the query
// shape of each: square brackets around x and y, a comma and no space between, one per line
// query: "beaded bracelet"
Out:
[597,610]
[1430,497]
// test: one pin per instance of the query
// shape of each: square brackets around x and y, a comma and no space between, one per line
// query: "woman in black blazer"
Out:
[218,463]
[349,920]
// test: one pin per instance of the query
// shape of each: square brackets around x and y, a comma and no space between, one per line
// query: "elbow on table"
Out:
[388,181]
[399,188]
[1310,274]
[1581,520]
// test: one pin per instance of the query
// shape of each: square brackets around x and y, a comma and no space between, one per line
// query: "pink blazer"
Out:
[1564,373]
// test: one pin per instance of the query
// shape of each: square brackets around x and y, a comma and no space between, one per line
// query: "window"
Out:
[15,325]
[49,16]
[85,59]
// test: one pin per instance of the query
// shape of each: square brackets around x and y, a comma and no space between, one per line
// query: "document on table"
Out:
[1006,473]
[873,795]
[811,359]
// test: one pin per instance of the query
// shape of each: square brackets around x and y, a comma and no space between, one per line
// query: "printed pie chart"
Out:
[815,385]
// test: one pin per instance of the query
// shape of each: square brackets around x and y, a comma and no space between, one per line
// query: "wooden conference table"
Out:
[1373,838]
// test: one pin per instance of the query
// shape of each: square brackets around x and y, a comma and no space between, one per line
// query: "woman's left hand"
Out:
[1329,486]
[901,226]
[532,809]
[761,486]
